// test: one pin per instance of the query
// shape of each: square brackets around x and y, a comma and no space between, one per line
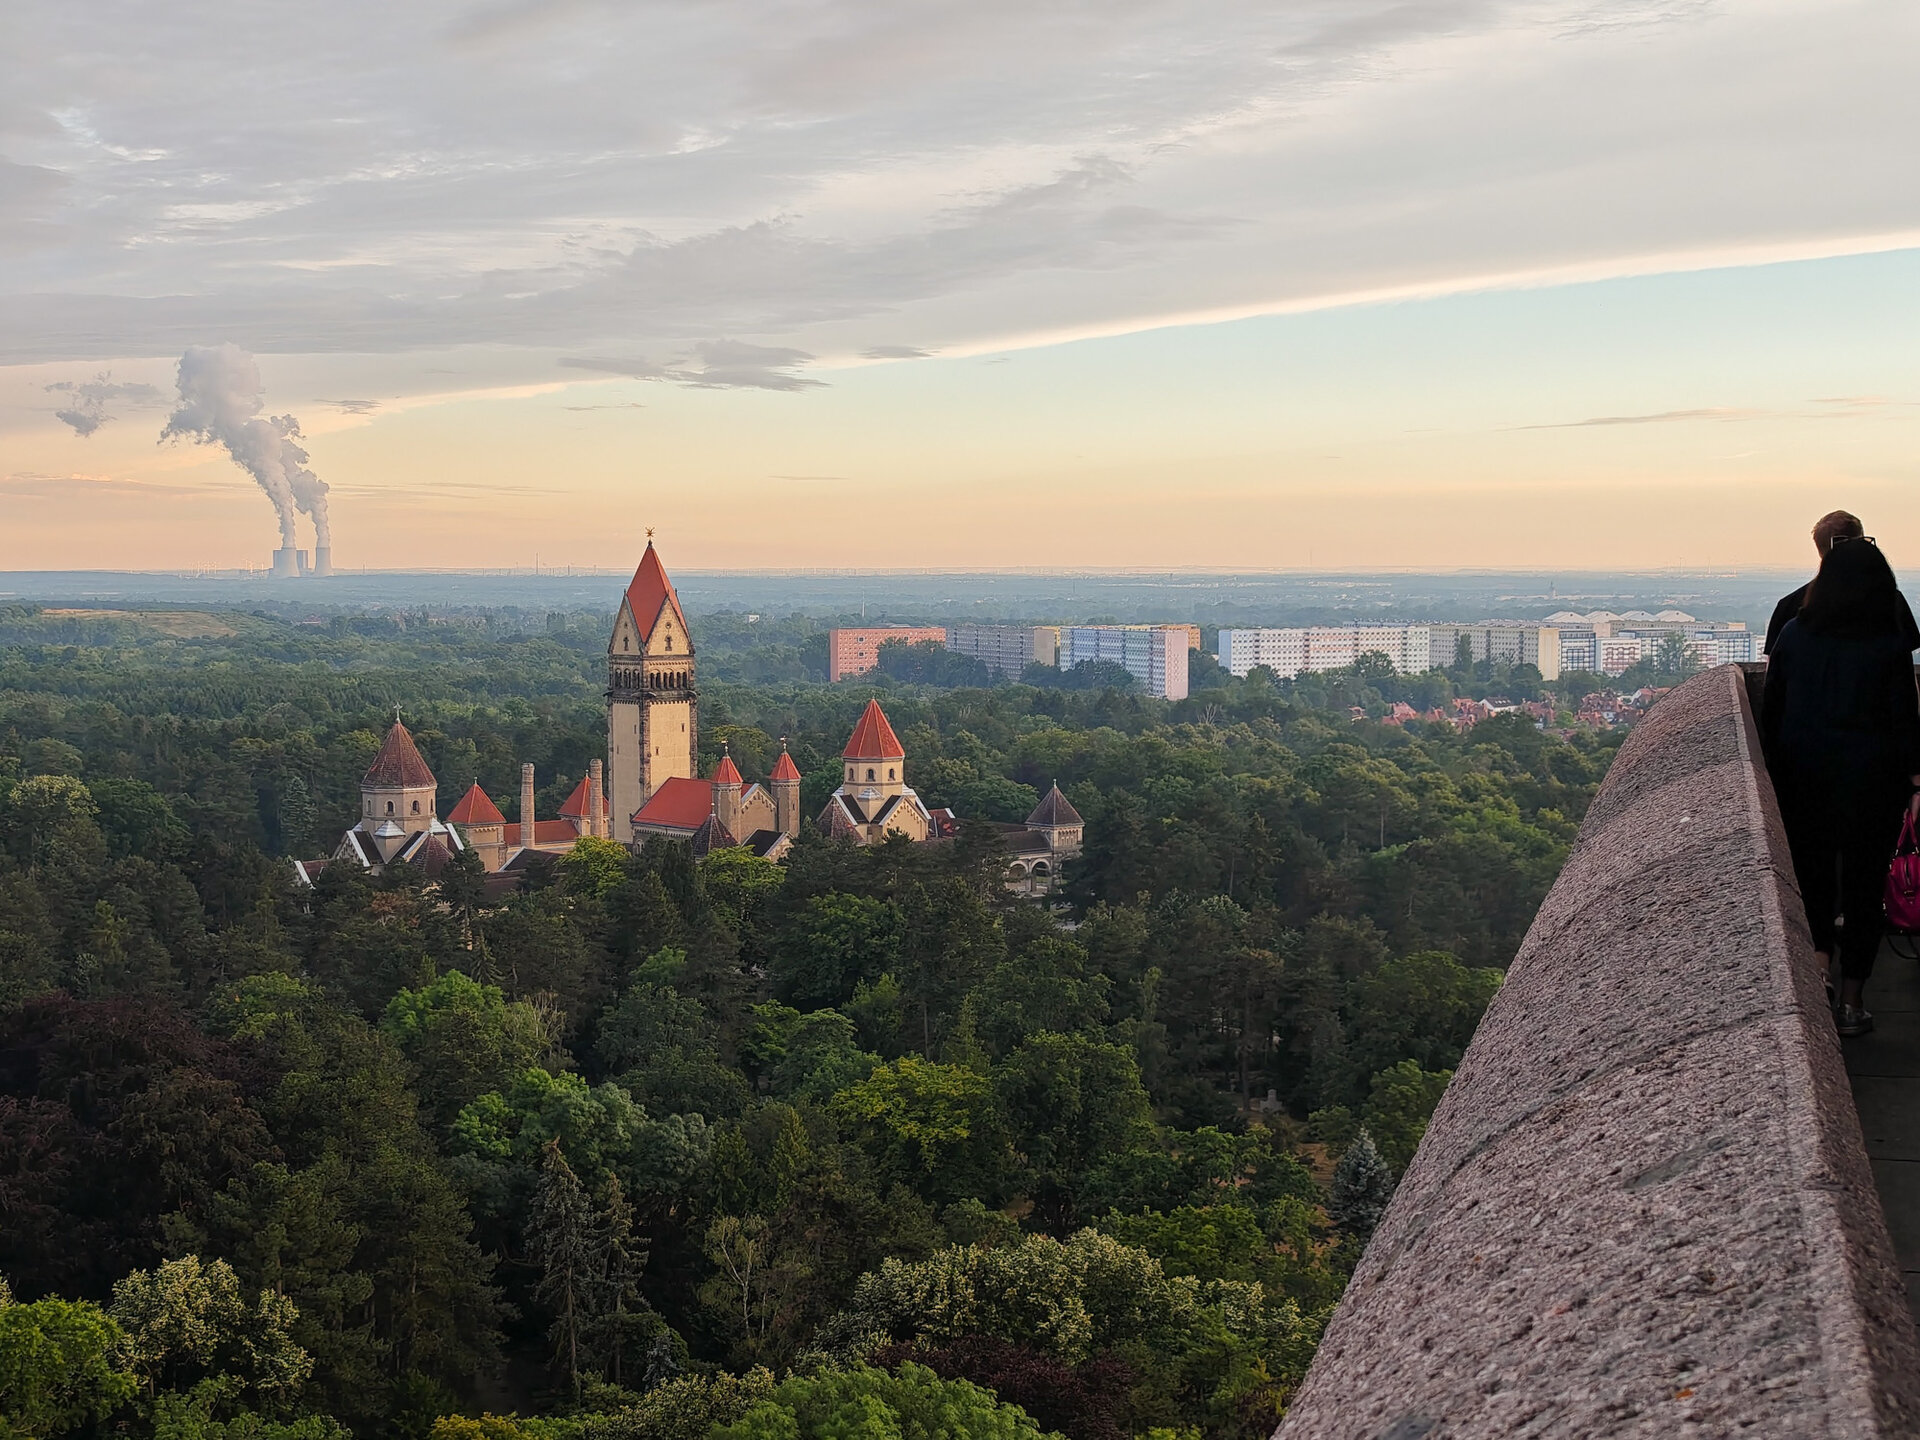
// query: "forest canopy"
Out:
[663,1147]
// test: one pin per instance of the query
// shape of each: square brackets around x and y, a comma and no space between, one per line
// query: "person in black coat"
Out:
[1840,723]
[1838,525]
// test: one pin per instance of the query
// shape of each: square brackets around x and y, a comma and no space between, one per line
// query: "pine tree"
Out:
[564,1239]
[297,816]
[1361,1187]
[623,1259]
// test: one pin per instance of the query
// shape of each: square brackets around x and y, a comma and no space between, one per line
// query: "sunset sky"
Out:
[1349,283]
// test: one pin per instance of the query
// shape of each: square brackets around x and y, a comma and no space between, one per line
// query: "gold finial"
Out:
[649,532]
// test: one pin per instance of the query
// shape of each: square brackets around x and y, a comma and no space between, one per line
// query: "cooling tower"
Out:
[301,557]
[286,563]
[323,559]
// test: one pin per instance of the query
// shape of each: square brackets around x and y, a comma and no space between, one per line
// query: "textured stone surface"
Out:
[1643,1207]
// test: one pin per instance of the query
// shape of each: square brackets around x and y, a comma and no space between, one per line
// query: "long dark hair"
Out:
[1854,593]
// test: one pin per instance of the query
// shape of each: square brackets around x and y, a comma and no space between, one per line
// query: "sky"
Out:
[816,283]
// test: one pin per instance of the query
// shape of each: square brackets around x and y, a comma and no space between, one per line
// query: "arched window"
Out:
[669,644]
[416,807]
[623,643]
[889,772]
[869,774]
[389,807]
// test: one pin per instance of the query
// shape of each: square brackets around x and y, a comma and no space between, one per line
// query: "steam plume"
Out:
[220,404]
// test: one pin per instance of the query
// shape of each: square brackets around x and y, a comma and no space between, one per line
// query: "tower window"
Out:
[416,807]
[669,644]
[389,807]
[869,774]
[889,772]
[623,643]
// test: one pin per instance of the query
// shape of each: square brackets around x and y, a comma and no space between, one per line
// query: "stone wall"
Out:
[1643,1207]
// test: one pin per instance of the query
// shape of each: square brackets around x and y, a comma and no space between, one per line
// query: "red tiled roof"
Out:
[726,772]
[649,590]
[679,804]
[784,768]
[545,832]
[580,803]
[476,809]
[873,737]
[398,763]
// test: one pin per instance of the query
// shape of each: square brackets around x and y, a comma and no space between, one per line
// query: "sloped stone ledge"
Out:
[1643,1207]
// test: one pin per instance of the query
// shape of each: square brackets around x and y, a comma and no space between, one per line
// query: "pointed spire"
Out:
[784,768]
[398,765]
[873,737]
[726,772]
[649,591]
[475,808]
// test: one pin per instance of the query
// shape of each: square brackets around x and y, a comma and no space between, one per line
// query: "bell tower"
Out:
[652,706]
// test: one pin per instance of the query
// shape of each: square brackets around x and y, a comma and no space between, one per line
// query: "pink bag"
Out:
[1903,882]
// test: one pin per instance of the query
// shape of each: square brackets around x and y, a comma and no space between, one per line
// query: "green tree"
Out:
[464,1038]
[564,1240]
[1398,1107]
[833,944]
[1362,1185]
[911,1403]
[931,1125]
[187,1321]
[59,1368]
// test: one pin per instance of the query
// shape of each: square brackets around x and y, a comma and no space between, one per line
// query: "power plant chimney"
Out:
[597,823]
[286,563]
[300,556]
[323,559]
[526,806]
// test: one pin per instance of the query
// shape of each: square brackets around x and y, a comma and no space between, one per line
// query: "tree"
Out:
[1400,1103]
[187,1321]
[618,1301]
[59,1367]
[912,1403]
[1361,1187]
[465,1038]
[564,1239]
[298,816]
[834,943]
[931,1125]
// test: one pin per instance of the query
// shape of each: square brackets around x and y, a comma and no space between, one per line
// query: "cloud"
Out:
[1661,417]
[714,365]
[576,177]
[629,405]
[353,407]
[87,411]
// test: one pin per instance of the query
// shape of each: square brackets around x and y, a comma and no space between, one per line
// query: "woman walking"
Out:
[1841,725]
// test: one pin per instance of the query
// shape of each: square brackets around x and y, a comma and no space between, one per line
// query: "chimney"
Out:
[286,563]
[323,560]
[596,801]
[526,807]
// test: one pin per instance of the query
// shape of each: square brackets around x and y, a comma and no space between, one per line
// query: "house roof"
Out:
[476,809]
[649,590]
[873,737]
[1054,809]
[726,772]
[545,832]
[580,803]
[784,768]
[398,764]
[711,836]
[679,804]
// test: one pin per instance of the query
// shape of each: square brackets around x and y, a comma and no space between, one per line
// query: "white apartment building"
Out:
[1006,649]
[1506,641]
[1313,649]
[1155,655]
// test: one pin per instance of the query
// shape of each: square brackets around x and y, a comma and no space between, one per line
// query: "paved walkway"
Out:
[1885,1070]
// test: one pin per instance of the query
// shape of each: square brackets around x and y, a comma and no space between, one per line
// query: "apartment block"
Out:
[1312,649]
[1155,655]
[856,651]
[1006,649]
[1507,642]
